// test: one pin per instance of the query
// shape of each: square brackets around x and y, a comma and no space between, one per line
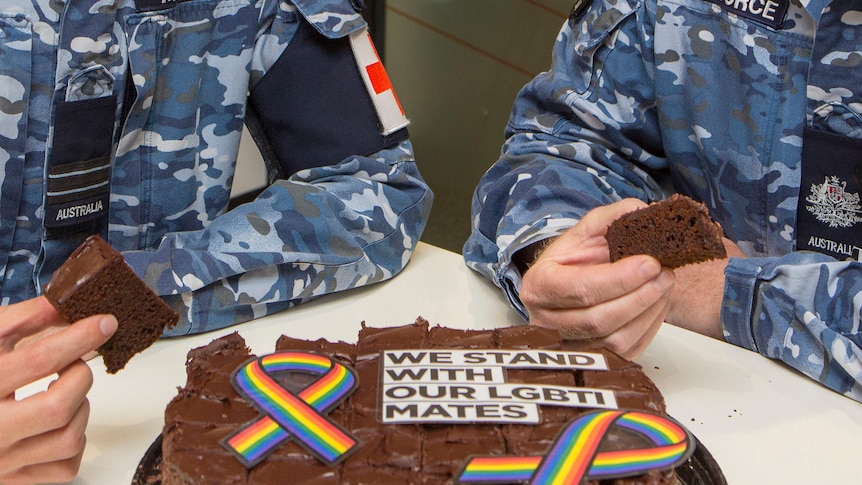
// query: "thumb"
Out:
[56,351]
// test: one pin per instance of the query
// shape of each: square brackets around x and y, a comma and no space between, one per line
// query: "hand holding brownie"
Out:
[681,234]
[572,286]
[42,436]
[620,256]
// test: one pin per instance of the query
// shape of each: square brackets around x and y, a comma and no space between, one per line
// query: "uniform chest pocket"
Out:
[15,78]
[190,61]
[190,68]
[745,81]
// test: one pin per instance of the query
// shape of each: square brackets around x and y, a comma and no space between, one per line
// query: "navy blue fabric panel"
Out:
[77,190]
[828,218]
[314,107]
[83,130]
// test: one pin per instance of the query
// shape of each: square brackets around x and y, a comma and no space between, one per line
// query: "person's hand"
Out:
[695,303]
[42,436]
[573,287]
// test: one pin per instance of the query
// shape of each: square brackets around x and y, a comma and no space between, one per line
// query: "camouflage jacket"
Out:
[647,97]
[124,117]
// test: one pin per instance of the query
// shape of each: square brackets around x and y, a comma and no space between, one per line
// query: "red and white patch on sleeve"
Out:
[380,90]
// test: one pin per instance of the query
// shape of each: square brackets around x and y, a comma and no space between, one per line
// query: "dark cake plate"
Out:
[700,469]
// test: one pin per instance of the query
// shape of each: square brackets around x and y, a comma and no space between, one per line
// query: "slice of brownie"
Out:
[676,231]
[95,279]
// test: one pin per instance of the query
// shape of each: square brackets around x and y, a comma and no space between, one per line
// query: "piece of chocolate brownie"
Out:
[95,279]
[676,231]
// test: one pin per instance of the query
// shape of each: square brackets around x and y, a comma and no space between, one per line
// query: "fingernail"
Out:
[108,325]
[649,269]
[664,281]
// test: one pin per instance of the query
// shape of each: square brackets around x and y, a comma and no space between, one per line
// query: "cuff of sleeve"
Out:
[737,312]
[185,325]
[144,262]
[510,285]
[508,275]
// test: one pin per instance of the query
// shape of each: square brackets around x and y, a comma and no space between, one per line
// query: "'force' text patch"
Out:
[152,5]
[767,12]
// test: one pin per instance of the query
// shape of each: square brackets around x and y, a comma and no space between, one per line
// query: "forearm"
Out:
[321,231]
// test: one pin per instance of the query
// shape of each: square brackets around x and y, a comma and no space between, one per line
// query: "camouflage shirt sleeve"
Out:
[321,231]
[153,97]
[336,219]
[644,98]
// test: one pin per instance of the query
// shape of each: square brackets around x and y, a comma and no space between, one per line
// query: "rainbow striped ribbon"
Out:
[574,456]
[287,415]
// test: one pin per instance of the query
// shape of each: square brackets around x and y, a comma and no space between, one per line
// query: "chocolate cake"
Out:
[208,409]
[96,280]
[676,231]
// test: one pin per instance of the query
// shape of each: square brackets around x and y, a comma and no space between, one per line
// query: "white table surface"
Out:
[762,422]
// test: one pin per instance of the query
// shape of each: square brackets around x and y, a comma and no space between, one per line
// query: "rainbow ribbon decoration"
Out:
[286,415]
[574,456]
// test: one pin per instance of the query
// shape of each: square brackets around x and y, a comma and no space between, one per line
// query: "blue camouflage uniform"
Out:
[124,117]
[711,98]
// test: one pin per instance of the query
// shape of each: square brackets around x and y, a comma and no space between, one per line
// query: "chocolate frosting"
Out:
[201,413]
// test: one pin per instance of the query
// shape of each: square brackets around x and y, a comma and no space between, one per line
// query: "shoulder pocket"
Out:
[15,45]
[593,35]
[190,68]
